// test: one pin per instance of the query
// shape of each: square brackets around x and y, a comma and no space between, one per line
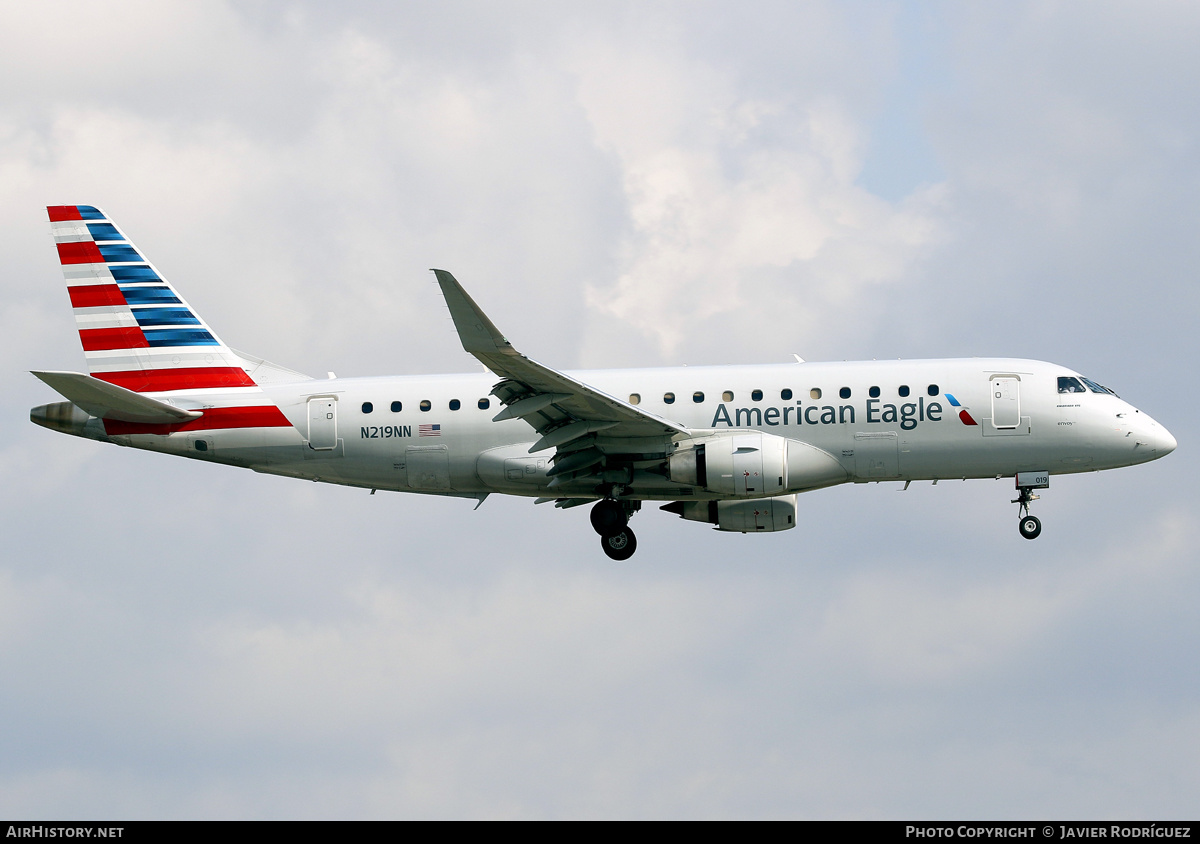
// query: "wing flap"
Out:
[521,408]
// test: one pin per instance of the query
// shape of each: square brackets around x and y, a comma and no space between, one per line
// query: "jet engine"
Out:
[763,515]
[753,465]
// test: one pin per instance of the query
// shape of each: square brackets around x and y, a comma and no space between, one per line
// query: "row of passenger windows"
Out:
[786,394]
[426,404]
[669,398]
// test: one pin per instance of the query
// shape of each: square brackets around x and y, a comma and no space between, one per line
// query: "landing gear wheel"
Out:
[1030,527]
[619,546]
[608,517]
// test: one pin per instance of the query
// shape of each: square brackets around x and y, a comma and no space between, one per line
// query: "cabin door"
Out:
[322,424]
[1006,401]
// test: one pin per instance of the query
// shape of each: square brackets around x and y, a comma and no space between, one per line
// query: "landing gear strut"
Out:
[1029,525]
[610,519]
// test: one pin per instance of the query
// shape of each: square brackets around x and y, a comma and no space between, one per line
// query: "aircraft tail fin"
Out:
[137,331]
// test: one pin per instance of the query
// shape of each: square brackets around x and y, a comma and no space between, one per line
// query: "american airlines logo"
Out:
[963,415]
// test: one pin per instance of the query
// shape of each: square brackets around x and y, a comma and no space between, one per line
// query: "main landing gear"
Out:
[1030,526]
[610,519]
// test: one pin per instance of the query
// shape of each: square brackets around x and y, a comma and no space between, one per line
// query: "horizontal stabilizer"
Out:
[108,401]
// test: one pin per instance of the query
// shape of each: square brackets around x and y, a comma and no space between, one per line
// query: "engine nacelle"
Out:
[763,515]
[753,465]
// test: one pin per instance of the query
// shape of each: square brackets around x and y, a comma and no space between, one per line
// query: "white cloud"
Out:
[744,212]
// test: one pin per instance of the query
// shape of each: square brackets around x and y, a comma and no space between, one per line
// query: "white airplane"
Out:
[726,445]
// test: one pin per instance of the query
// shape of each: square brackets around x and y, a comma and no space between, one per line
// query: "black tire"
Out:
[608,517]
[619,546]
[1030,527]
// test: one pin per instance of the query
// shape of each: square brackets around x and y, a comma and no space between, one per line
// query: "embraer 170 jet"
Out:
[726,445]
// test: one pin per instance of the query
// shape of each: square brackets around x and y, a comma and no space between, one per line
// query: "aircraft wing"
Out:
[108,401]
[558,407]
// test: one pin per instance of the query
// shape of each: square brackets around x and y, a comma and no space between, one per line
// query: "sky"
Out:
[617,184]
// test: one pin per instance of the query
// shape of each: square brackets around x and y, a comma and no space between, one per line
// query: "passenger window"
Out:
[814,393]
[903,391]
[844,392]
[455,404]
[727,395]
[756,395]
[697,397]
[1070,385]
[668,398]
[785,394]
[367,407]
[933,390]
[397,407]
[484,404]
[634,398]
[873,392]
[426,404]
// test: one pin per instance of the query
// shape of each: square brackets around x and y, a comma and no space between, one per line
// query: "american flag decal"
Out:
[434,430]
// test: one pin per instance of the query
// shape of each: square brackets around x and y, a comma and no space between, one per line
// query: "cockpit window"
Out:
[1098,388]
[1069,385]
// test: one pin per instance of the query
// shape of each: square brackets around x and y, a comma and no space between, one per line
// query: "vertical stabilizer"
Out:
[140,335]
[137,331]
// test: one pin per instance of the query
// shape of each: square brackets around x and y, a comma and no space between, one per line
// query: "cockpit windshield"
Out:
[1067,384]
[1098,388]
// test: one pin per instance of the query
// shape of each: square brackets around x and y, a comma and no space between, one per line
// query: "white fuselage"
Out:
[1021,423]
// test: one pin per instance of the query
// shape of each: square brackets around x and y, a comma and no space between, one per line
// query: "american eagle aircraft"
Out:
[726,445]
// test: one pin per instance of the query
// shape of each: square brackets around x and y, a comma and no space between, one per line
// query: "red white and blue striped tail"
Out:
[137,331]
[140,335]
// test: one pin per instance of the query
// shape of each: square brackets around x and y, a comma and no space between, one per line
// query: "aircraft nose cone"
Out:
[1164,443]
[1151,440]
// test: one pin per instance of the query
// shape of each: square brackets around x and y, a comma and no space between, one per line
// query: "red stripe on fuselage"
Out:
[59,213]
[183,378]
[101,339]
[84,252]
[216,418]
[95,295]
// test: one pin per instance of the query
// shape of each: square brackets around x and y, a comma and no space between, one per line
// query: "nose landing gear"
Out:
[1030,526]
[610,519]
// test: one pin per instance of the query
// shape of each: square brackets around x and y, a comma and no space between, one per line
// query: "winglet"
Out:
[475,330]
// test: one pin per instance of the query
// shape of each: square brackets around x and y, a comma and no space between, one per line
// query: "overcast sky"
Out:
[617,185]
